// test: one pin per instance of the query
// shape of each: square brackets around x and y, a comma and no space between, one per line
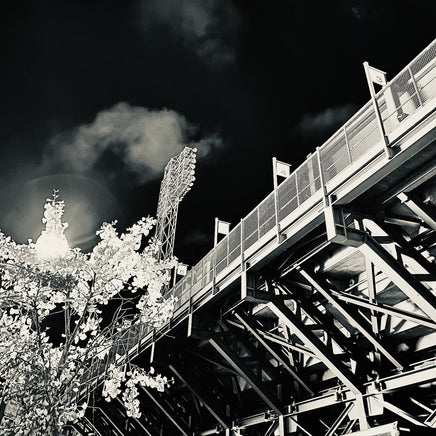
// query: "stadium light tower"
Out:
[178,179]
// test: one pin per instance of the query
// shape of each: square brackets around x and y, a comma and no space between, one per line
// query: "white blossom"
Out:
[43,379]
[133,377]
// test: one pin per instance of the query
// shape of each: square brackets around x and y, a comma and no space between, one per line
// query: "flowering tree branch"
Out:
[104,296]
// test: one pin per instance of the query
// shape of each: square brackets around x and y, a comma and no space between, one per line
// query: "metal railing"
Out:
[412,88]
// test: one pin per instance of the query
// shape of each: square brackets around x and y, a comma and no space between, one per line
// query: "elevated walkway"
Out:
[345,167]
[316,315]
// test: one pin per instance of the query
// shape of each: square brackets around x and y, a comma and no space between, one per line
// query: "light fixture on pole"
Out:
[178,179]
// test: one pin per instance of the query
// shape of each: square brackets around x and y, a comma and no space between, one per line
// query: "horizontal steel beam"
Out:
[423,375]
[408,185]
[418,376]
[380,430]
[284,343]
[383,308]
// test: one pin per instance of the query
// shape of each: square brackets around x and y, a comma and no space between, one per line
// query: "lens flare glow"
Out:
[52,243]
[51,246]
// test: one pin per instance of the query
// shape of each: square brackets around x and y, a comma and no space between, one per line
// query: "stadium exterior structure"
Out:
[316,314]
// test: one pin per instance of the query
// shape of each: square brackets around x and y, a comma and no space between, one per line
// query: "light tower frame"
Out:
[179,176]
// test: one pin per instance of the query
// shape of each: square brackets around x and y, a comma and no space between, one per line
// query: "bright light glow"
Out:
[51,245]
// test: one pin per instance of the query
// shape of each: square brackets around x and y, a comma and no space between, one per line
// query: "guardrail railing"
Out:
[412,88]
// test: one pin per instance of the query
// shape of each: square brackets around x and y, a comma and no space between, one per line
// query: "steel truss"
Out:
[178,180]
[330,331]
[341,343]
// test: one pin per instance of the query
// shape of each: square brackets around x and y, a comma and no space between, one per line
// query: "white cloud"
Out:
[144,140]
[191,16]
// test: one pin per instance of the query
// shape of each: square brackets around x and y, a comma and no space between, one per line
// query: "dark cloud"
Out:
[205,27]
[325,122]
[253,79]
[197,237]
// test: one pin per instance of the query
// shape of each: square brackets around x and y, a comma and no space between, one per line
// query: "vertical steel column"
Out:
[242,245]
[296,188]
[372,295]
[214,253]
[281,425]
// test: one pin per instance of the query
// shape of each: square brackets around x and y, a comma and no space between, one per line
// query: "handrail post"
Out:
[296,187]
[321,179]
[227,249]
[276,200]
[214,271]
[415,85]
[347,144]
[242,246]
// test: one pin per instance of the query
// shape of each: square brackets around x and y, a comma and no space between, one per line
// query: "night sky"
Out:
[98,95]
